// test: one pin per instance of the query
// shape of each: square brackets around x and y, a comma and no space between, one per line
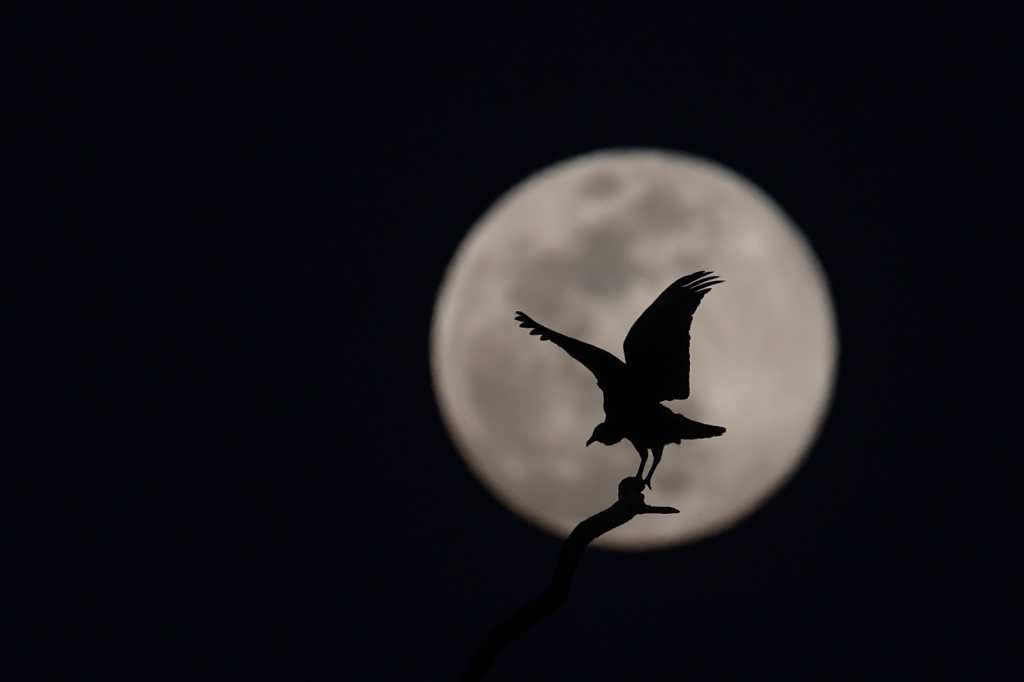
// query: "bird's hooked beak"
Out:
[590,440]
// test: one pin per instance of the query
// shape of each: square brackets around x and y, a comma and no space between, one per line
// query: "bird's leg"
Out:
[656,451]
[643,460]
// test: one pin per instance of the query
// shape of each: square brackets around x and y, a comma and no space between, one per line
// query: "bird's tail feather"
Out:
[689,429]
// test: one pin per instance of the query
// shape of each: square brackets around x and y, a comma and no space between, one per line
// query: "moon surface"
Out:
[584,246]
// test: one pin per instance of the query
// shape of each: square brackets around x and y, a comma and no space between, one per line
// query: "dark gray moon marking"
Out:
[583,247]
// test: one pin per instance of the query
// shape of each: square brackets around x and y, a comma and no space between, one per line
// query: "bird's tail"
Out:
[688,429]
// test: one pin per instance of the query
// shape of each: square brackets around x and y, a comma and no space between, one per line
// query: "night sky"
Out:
[246,218]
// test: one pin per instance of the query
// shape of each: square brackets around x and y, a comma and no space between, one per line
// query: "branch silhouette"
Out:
[630,504]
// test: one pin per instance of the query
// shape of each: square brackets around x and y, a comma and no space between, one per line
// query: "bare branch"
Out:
[630,503]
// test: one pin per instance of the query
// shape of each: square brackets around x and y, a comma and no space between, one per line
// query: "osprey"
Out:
[657,368]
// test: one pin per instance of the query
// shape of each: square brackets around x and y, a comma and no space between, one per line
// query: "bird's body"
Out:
[657,368]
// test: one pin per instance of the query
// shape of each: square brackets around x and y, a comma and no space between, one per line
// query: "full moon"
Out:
[583,247]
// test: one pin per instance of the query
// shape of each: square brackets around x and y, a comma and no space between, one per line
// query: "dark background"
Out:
[240,470]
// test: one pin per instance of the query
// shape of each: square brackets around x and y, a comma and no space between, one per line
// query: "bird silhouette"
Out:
[657,368]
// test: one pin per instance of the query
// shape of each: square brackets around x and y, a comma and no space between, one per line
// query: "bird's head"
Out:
[605,433]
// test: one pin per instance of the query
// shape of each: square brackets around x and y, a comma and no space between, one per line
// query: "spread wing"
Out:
[607,368]
[657,347]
